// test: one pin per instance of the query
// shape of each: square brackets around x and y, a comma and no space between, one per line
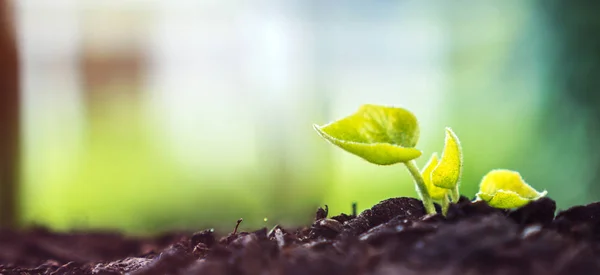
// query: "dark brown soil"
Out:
[393,237]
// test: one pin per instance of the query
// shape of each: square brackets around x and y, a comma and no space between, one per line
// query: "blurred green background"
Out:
[145,116]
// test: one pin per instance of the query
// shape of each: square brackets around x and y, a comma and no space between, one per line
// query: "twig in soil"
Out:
[237,226]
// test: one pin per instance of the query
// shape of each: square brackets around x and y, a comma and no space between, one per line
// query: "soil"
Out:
[393,237]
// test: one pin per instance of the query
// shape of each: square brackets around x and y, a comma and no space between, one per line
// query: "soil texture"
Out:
[393,237]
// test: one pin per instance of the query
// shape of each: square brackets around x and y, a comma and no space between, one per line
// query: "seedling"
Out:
[388,135]
[436,193]
[503,188]
[448,171]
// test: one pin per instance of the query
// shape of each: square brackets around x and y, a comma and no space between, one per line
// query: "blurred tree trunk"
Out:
[9,119]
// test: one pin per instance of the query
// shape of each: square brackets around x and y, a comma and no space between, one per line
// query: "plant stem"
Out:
[454,195]
[445,204]
[421,188]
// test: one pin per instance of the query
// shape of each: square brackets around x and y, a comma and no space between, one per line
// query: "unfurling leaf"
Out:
[379,134]
[449,169]
[503,188]
[436,193]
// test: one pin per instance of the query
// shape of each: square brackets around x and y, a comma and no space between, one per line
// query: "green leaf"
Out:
[449,169]
[436,193]
[503,188]
[379,134]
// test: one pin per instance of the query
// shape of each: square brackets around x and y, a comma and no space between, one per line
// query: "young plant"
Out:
[448,171]
[506,189]
[388,135]
[437,194]
[442,176]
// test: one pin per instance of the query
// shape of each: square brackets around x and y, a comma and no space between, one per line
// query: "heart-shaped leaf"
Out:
[379,134]
[449,169]
[436,193]
[503,188]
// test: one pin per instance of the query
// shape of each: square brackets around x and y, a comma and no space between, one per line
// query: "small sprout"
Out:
[378,134]
[506,189]
[442,176]
[448,171]
[436,193]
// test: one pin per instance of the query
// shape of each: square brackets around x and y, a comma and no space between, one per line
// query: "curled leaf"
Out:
[436,193]
[379,134]
[503,188]
[449,169]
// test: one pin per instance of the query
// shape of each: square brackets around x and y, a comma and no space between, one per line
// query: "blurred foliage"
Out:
[514,79]
[572,98]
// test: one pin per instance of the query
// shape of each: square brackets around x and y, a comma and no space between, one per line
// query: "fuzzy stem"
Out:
[445,204]
[421,188]
[454,194]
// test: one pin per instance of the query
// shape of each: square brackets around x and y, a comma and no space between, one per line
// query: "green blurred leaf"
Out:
[449,169]
[503,188]
[436,193]
[381,135]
